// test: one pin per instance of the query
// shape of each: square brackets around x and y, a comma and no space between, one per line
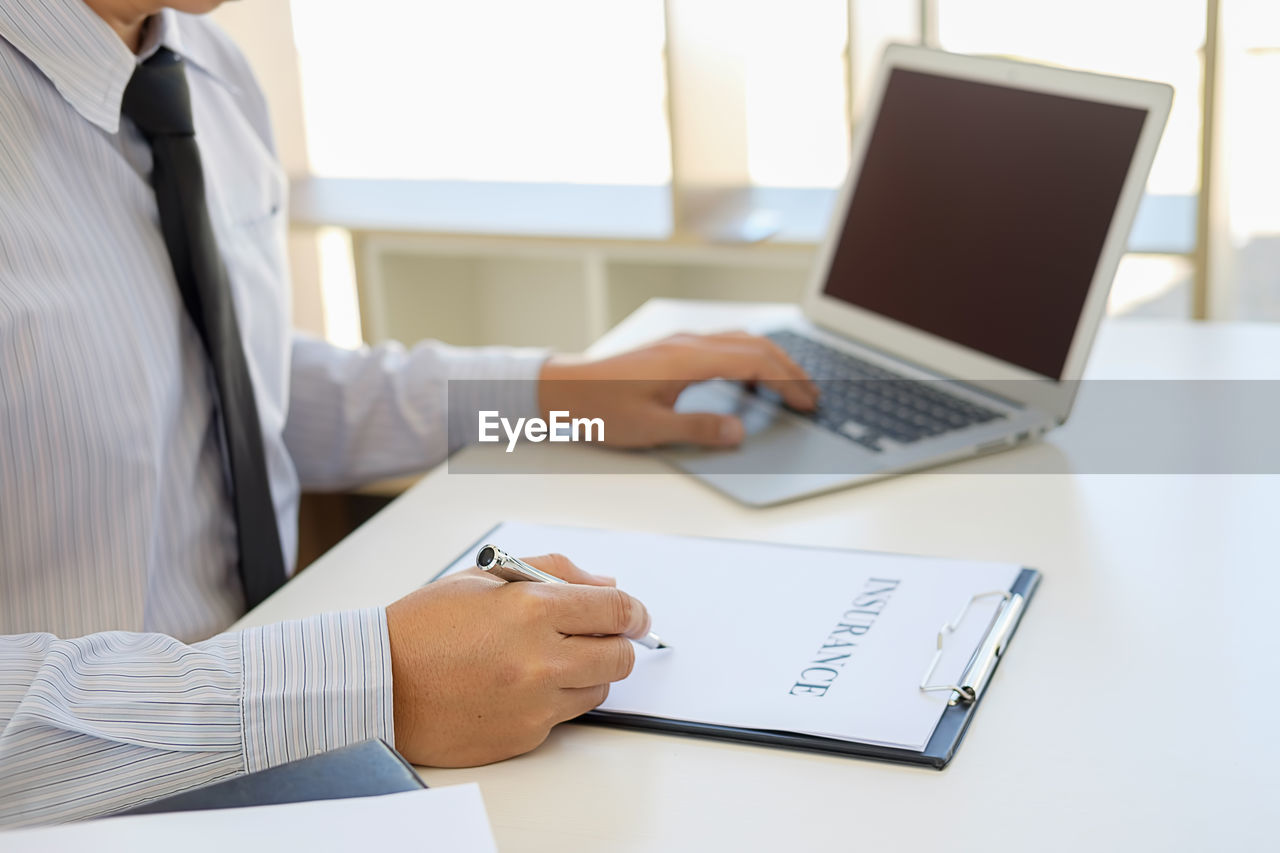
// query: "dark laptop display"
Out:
[980,213]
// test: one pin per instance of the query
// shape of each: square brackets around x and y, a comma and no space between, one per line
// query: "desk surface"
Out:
[1135,710]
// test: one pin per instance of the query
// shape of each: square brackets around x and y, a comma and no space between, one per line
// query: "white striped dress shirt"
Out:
[117,544]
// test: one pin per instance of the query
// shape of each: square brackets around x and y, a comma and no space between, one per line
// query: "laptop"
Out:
[956,295]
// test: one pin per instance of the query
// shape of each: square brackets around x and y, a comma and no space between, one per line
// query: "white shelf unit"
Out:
[557,265]
[480,290]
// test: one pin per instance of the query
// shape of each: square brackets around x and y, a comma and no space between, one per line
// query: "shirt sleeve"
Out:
[362,415]
[104,722]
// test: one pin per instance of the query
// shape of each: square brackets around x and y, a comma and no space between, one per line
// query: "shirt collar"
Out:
[84,58]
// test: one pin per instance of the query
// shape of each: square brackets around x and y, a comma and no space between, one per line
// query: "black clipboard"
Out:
[965,698]
[937,754]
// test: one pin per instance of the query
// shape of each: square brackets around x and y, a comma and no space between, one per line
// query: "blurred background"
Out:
[530,171]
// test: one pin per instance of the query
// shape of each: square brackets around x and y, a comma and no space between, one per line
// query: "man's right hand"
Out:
[483,669]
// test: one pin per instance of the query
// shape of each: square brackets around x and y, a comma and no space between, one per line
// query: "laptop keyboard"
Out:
[866,403]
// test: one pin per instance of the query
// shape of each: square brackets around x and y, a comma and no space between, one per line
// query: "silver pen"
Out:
[500,564]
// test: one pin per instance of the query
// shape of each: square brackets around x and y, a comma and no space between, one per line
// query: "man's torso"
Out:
[114,510]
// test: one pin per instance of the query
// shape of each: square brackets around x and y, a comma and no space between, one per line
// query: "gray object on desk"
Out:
[366,769]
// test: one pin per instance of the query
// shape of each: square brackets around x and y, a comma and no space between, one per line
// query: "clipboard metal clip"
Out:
[978,671]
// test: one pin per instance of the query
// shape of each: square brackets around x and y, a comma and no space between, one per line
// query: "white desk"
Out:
[1135,710]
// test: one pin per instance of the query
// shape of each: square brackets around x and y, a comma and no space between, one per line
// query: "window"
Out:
[1247,285]
[749,93]
[796,80]
[500,90]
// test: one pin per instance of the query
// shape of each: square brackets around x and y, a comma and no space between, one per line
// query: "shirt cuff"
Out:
[315,684]
[499,380]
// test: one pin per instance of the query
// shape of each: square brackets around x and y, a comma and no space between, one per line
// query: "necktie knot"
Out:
[157,99]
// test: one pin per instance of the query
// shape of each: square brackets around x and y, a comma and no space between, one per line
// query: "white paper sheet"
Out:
[451,819]
[761,633]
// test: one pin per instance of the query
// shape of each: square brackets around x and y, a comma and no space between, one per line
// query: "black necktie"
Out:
[158,102]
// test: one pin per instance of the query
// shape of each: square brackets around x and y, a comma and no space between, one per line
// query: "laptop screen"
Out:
[980,213]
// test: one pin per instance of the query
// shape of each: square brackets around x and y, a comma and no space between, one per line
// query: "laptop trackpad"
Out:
[730,398]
